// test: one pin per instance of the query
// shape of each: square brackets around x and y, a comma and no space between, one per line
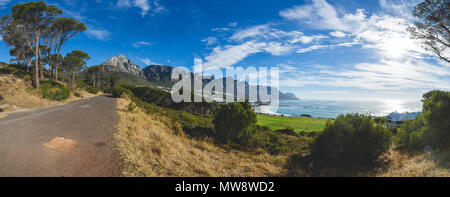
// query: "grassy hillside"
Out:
[297,123]
[150,145]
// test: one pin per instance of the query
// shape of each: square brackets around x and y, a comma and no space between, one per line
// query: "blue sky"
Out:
[326,49]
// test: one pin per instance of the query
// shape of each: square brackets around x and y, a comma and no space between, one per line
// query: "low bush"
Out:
[287,130]
[118,92]
[350,143]
[410,135]
[234,123]
[53,90]
[90,89]
[277,143]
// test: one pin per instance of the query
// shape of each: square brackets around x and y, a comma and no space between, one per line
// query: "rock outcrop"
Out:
[123,65]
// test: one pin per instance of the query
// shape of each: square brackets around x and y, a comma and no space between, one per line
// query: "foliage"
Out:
[164,99]
[434,30]
[90,89]
[234,123]
[120,92]
[436,112]
[277,143]
[54,91]
[351,142]
[410,134]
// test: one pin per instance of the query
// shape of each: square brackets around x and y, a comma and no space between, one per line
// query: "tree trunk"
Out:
[73,78]
[57,62]
[42,72]
[36,53]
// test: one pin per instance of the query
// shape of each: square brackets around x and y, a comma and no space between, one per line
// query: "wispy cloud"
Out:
[146,61]
[210,40]
[141,44]
[4,2]
[99,34]
[145,6]
[227,56]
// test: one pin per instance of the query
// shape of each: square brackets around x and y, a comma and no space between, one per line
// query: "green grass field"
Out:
[297,123]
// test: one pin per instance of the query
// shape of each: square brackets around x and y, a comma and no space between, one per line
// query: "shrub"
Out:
[436,112]
[410,135]
[287,130]
[90,89]
[54,91]
[118,92]
[351,142]
[234,123]
[277,143]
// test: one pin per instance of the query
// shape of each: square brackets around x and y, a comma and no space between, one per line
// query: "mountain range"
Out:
[160,75]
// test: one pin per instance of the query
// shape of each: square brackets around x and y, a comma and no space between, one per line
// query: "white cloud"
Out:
[4,2]
[227,56]
[210,40]
[232,24]
[338,34]
[383,33]
[319,14]
[146,61]
[145,6]
[276,48]
[322,46]
[259,30]
[141,44]
[99,34]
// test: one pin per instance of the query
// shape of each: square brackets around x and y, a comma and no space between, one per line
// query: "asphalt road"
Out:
[90,122]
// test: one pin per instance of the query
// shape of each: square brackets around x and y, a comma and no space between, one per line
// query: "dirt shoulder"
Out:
[16,94]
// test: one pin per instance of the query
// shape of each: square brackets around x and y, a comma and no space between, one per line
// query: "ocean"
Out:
[332,109]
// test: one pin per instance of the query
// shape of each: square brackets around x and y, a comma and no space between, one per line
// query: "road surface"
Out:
[89,123]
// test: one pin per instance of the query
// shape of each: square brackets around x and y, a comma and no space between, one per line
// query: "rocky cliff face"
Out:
[123,65]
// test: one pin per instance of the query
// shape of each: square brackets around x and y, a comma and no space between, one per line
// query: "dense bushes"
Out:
[410,135]
[90,89]
[351,142]
[54,91]
[118,92]
[278,143]
[432,128]
[234,123]
[436,112]
[164,99]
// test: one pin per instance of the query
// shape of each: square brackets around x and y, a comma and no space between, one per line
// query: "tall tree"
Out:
[74,62]
[31,19]
[434,28]
[65,29]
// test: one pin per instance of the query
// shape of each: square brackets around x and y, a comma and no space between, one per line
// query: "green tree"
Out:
[234,123]
[434,28]
[351,142]
[436,111]
[64,29]
[31,19]
[74,62]
[95,75]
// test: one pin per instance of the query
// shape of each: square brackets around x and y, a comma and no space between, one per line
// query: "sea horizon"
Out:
[321,108]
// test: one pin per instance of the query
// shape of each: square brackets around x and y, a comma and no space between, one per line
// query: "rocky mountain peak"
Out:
[122,64]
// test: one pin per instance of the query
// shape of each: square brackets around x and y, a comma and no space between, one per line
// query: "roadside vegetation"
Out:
[36,35]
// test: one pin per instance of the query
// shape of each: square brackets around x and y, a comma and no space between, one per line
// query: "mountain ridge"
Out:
[161,75]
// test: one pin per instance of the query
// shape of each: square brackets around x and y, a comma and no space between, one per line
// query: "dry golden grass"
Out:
[15,96]
[149,148]
[423,165]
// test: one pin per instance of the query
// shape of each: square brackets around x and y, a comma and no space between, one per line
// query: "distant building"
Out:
[397,119]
